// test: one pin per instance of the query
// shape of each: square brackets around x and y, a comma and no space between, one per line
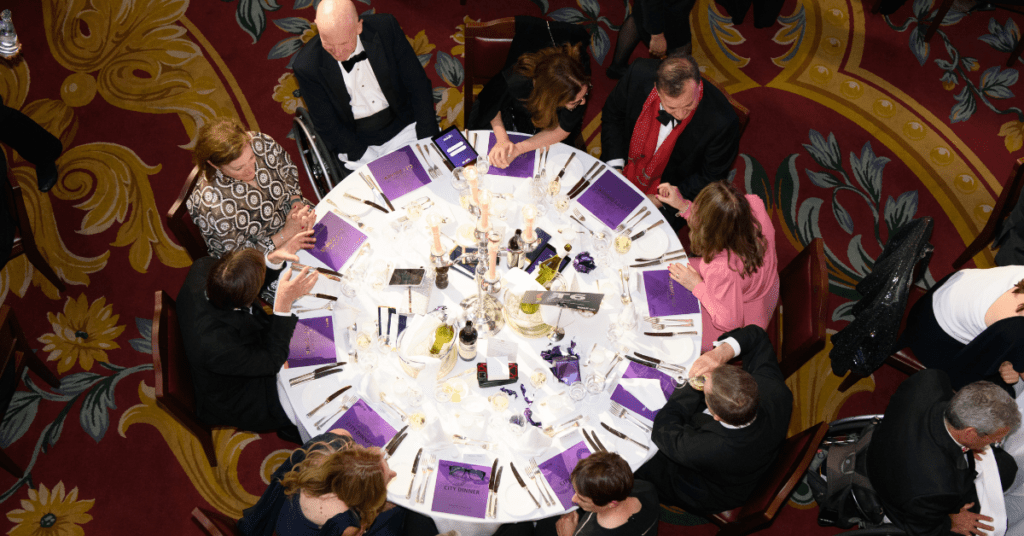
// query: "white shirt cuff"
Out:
[617,163]
[273,266]
[731,341]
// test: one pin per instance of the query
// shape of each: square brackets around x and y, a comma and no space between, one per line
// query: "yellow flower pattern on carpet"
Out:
[420,44]
[81,334]
[1013,135]
[50,513]
[287,93]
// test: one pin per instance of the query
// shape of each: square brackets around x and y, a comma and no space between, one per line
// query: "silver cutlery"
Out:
[662,256]
[623,412]
[593,445]
[415,469]
[431,170]
[329,306]
[659,320]
[365,202]
[629,292]
[384,400]
[629,230]
[345,404]
[317,374]
[669,334]
[582,179]
[623,296]
[522,483]
[490,489]
[621,226]
[621,435]
[642,233]
[573,218]
[497,486]
[421,492]
[532,471]
[336,394]
[463,440]
[375,187]
[656,262]
[576,192]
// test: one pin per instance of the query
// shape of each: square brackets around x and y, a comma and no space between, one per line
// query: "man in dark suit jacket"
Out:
[716,445]
[234,348]
[374,52]
[920,461]
[706,147]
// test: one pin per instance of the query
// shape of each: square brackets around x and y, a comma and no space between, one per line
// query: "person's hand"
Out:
[298,220]
[288,250]
[566,524]
[710,360]
[670,195]
[1009,375]
[291,288]
[685,275]
[968,523]
[499,155]
[658,46]
[654,199]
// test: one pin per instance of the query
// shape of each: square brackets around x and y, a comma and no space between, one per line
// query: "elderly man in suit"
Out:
[662,123]
[921,460]
[714,446]
[366,91]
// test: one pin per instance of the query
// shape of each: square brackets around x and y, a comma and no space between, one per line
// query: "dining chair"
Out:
[776,485]
[323,170]
[215,523]
[175,393]
[742,112]
[16,356]
[487,46]
[798,325]
[179,221]
[25,241]
[1005,204]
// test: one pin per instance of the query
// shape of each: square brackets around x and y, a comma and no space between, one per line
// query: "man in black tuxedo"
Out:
[696,128]
[363,84]
[921,459]
[234,348]
[714,446]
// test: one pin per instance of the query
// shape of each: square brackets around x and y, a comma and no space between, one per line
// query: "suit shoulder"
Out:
[306,59]
[718,103]
[380,21]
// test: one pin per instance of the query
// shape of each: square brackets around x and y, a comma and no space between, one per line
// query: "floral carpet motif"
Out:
[857,127]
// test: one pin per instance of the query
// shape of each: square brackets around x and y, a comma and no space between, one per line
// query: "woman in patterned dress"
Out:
[248,194]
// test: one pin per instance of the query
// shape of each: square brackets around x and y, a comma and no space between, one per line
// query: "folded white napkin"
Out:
[418,333]
[434,435]
[646,390]
[553,408]
[533,439]
[518,281]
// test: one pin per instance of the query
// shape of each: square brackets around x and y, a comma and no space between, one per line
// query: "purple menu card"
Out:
[610,199]
[399,173]
[312,343]
[665,297]
[336,241]
[461,489]
[521,167]
[367,427]
[558,469]
[636,370]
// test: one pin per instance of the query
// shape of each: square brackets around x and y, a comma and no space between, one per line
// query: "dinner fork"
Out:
[328,306]
[623,412]
[421,492]
[384,400]
[345,404]
[544,163]
[622,225]
[629,230]
[531,471]
[431,169]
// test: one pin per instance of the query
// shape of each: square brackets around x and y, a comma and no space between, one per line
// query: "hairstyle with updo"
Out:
[219,142]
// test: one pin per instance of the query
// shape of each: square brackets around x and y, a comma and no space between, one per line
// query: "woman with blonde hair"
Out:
[248,193]
[734,269]
[329,487]
[544,93]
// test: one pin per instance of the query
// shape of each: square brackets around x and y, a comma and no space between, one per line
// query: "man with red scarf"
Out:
[662,123]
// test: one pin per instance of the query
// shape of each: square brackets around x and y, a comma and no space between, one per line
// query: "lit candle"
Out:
[484,201]
[529,214]
[492,251]
[472,180]
[435,230]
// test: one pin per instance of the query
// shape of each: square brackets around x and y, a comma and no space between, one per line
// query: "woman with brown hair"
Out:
[544,93]
[248,194]
[734,270]
[330,486]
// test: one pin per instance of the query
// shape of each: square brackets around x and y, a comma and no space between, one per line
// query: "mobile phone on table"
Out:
[407,276]
[454,147]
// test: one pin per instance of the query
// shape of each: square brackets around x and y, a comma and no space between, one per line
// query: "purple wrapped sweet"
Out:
[584,263]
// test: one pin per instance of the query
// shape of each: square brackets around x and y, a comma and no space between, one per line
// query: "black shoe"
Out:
[290,434]
[47,175]
[614,72]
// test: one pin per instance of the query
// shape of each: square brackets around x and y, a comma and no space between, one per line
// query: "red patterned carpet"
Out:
[856,127]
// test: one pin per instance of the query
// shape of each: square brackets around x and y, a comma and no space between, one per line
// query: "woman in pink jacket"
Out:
[733,269]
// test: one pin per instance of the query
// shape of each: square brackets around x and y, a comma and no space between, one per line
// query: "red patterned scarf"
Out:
[645,164]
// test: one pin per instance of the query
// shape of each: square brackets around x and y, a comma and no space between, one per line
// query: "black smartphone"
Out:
[454,147]
[407,276]
[543,252]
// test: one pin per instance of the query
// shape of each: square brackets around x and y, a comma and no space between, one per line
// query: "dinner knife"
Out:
[332,397]
[583,178]
[662,256]
[566,166]
[309,375]
[597,440]
[593,446]
[395,438]
[657,261]
[642,362]
[415,467]
[621,226]
[370,183]
[497,484]
[444,160]
[319,375]
[575,193]
[371,203]
[669,333]
[641,233]
[621,435]
[490,488]
[398,442]
[522,483]
[324,271]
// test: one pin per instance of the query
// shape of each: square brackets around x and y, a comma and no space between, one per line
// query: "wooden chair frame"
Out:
[179,220]
[1005,204]
[25,242]
[498,30]
[212,522]
[791,359]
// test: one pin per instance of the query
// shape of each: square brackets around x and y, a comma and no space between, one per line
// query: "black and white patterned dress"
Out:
[234,215]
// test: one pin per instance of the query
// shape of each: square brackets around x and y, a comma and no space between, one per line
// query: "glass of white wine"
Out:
[561,203]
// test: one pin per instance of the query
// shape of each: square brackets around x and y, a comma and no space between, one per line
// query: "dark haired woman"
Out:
[734,270]
[330,487]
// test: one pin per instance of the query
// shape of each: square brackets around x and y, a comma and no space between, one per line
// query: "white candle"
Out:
[529,214]
[492,251]
[484,201]
[472,180]
[435,230]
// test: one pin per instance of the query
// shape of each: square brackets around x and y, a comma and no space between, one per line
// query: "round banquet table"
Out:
[394,243]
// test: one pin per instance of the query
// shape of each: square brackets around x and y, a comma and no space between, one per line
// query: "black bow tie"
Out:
[664,118]
[351,62]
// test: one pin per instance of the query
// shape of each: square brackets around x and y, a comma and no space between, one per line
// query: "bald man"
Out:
[365,88]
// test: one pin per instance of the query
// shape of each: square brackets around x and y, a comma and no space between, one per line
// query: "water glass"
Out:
[595,383]
[577,391]
[517,423]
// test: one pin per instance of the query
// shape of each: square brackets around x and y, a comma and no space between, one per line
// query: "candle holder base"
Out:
[485,312]
[491,286]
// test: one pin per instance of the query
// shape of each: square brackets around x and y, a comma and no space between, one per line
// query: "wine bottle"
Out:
[467,342]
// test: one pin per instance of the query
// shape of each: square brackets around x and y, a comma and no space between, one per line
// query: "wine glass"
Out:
[561,203]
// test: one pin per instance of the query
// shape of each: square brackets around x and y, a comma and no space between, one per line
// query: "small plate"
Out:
[652,244]
[514,500]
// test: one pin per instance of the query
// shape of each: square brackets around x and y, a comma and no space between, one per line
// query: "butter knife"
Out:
[373,186]
[332,397]
[522,483]
[593,446]
[597,440]
[657,261]
[365,202]
[669,333]
[415,467]
[490,488]
[395,438]
[641,233]
[566,166]
[309,375]
[398,442]
[621,435]
[583,178]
